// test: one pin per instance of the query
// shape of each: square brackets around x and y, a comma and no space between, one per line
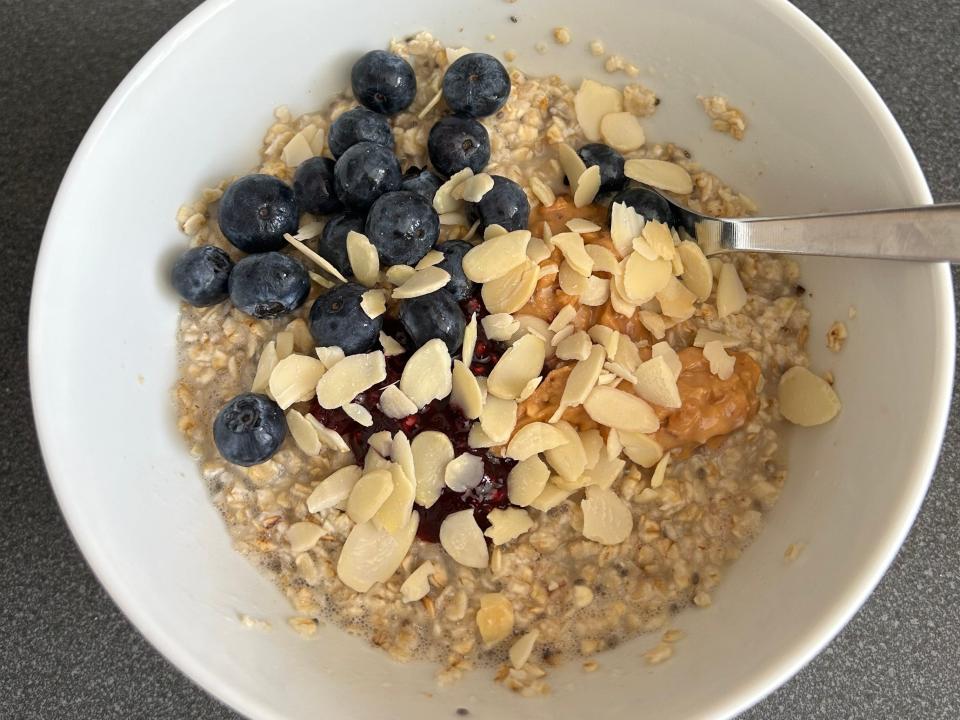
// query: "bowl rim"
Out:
[753,690]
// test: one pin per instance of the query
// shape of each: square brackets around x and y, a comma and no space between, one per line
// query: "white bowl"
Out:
[102,349]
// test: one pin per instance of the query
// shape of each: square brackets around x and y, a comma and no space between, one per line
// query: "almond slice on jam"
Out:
[469,340]
[390,346]
[465,393]
[432,451]
[499,326]
[395,404]
[621,410]
[463,473]
[463,540]
[371,554]
[427,374]
[806,399]
[498,418]
[526,480]
[358,413]
[497,256]
[522,362]
[477,438]
[369,494]
[533,438]
[330,438]
[350,377]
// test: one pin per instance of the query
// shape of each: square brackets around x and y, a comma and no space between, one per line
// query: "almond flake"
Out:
[521,650]
[477,438]
[522,362]
[592,442]
[303,535]
[592,102]
[704,336]
[350,377]
[374,303]
[463,540]
[497,256]
[453,219]
[296,151]
[613,445]
[571,281]
[399,274]
[329,356]
[382,442]
[443,202]
[371,554]
[563,318]
[660,174]
[697,273]
[548,270]
[654,323]
[533,438]
[463,473]
[390,346]
[469,343]
[334,489]
[402,454]
[309,231]
[676,301]
[294,379]
[607,337]
[395,404]
[607,378]
[641,246]
[660,472]
[465,393]
[606,518]
[659,239]
[284,342]
[537,250]
[628,354]
[547,233]
[550,498]
[597,292]
[395,511]
[603,259]
[434,257]
[507,525]
[430,105]
[617,301]
[625,225]
[427,376]
[375,461]
[570,459]
[364,260]
[642,449]
[512,291]
[322,262]
[472,230]
[330,438]
[621,410]
[473,189]
[582,225]
[541,191]
[643,278]
[422,282]
[571,245]
[526,481]
[431,451]
[498,418]
[622,131]
[606,472]
[656,383]
[806,399]
[494,618]
[611,366]
[663,349]
[588,185]
[499,326]
[530,388]
[582,380]
[562,334]
[266,364]
[492,231]
[731,297]
[417,584]
[303,433]
[572,164]
[574,347]
[532,325]
[369,494]
[721,364]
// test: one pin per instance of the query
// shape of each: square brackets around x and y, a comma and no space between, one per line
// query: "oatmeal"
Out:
[507,416]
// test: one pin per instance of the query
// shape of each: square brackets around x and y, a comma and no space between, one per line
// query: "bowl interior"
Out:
[103,350]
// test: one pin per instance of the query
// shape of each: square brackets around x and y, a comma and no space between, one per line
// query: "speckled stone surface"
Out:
[65,649]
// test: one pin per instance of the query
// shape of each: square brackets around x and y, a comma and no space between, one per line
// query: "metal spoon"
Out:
[927,233]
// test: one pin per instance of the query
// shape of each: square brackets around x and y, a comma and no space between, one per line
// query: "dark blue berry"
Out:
[383,82]
[268,285]
[402,227]
[476,85]
[249,429]
[505,204]
[459,286]
[336,318]
[365,172]
[436,315]
[255,212]
[359,125]
[458,142]
[332,245]
[423,182]
[201,274]
[313,187]
[610,161]
[646,203]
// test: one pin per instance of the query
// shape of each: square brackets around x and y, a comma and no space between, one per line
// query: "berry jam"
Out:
[440,416]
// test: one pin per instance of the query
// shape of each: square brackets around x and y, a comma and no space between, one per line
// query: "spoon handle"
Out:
[926,233]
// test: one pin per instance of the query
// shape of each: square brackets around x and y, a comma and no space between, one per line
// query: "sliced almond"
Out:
[603,259]
[302,339]
[643,247]
[547,233]
[562,334]
[526,480]
[572,164]
[294,379]
[432,451]
[551,497]
[643,278]
[606,518]
[530,388]
[541,191]
[597,292]
[350,377]
[309,230]
[329,356]
[266,364]
[731,297]
[375,461]
[582,225]
[521,650]
[390,346]
[582,380]
[473,189]
[676,301]
[592,102]
[371,554]
[497,256]
[402,454]
[427,376]
[721,364]
[512,291]
[570,459]
[564,317]
[477,438]
[463,540]
[494,230]
[806,399]
[443,202]
[659,239]
[628,354]
[621,410]
[606,472]
[587,187]
[374,303]
[422,282]
[642,449]
[364,260]
[434,257]
[458,218]
[369,494]
[607,337]
[395,511]
[654,323]
[537,250]
[303,433]
[507,525]
[284,342]
[334,489]
[322,262]
[660,471]
[704,336]
[499,326]
[617,301]
[465,393]
[613,445]
[622,131]
[625,225]
[571,245]
[533,438]
[574,347]
[570,281]
[656,383]
[469,344]
[463,473]
[395,404]
[296,151]
[359,414]
[592,442]
[399,274]
[620,371]
[303,535]
[498,418]
[660,174]
[532,325]
[494,618]
[382,442]
[522,362]
[330,438]
[417,585]
[697,273]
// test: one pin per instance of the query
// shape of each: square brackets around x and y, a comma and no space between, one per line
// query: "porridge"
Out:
[498,412]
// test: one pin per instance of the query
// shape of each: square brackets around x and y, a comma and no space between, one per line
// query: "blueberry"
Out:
[459,286]
[365,172]
[436,315]
[383,82]
[647,203]
[268,285]
[336,318]
[255,212]
[359,125]
[423,182]
[476,85]
[249,429]
[458,142]
[402,227]
[201,274]
[332,245]
[610,161]
[505,204]
[313,187]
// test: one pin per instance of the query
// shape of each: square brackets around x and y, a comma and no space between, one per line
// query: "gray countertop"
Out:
[67,652]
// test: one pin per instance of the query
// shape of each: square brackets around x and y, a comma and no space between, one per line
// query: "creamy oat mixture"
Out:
[668,508]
